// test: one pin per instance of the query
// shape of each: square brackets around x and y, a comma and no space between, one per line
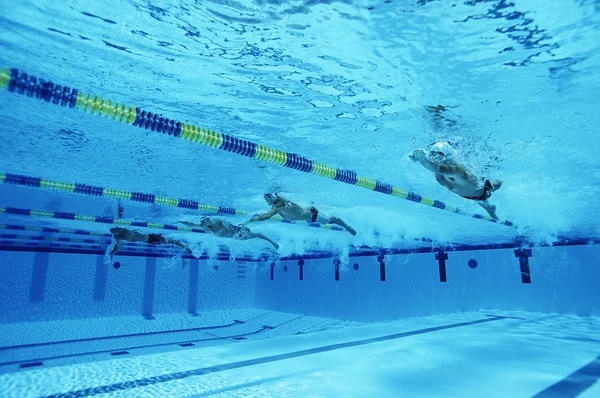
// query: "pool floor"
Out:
[475,354]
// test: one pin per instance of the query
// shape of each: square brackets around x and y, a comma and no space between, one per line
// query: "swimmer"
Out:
[455,177]
[291,211]
[131,235]
[225,229]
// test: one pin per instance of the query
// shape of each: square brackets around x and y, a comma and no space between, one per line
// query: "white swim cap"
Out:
[444,147]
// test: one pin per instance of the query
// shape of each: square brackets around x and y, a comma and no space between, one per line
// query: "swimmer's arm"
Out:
[267,215]
[444,169]
[189,224]
[115,247]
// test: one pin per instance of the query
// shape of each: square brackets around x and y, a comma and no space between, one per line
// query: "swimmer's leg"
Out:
[261,236]
[178,243]
[338,221]
[251,235]
[491,209]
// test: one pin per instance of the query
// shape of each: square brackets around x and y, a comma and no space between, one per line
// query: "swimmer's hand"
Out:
[418,155]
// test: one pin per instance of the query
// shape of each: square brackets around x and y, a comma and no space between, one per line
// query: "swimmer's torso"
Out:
[465,187]
[291,210]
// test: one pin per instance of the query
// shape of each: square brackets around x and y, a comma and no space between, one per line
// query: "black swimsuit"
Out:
[242,233]
[155,239]
[488,189]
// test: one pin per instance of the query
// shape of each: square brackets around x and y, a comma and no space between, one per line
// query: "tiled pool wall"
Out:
[53,286]
[563,280]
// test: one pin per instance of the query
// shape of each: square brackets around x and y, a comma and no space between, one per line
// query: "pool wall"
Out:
[53,286]
[563,280]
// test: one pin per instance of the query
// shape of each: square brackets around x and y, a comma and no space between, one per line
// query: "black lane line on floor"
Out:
[506,317]
[127,385]
[173,343]
[575,383]
[284,323]
[236,387]
[31,365]
[14,347]
[259,316]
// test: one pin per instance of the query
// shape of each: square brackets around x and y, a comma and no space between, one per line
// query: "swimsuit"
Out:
[155,239]
[488,189]
[242,233]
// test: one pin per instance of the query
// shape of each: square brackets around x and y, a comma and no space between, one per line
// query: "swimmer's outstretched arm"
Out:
[419,156]
[267,215]
[114,249]
[189,224]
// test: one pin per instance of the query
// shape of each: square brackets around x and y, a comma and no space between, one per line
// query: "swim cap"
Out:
[443,152]
[444,147]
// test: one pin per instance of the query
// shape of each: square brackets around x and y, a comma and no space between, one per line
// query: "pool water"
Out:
[147,116]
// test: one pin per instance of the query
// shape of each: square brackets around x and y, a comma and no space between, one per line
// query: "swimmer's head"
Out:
[270,198]
[204,221]
[442,151]
[274,199]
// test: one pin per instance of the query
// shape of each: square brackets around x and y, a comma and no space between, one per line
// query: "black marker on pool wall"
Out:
[301,269]
[336,264]
[381,260]
[523,255]
[442,256]
[472,263]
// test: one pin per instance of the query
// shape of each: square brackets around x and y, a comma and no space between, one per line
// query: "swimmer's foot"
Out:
[491,209]
[336,220]
[492,212]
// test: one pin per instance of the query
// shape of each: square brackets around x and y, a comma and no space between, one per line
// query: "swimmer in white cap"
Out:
[455,177]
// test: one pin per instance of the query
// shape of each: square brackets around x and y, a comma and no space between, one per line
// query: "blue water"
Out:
[355,85]
[345,84]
